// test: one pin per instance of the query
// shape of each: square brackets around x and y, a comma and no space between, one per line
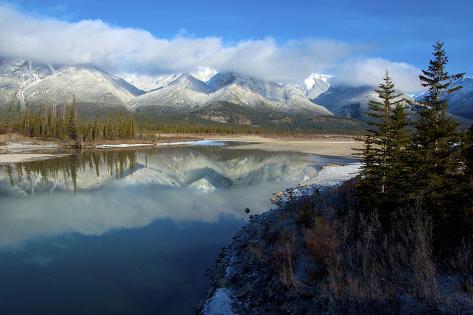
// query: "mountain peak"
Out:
[204,74]
[187,80]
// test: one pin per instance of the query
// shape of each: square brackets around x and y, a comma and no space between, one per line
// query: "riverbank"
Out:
[27,149]
[255,273]
[328,145]
[301,258]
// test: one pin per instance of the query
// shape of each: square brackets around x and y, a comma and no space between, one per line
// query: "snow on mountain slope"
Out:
[148,82]
[16,75]
[204,74]
[29,84]
[184,93]
[460,103]
[89,85]
[187,92]
[314,85]
[242,89]
[349,101]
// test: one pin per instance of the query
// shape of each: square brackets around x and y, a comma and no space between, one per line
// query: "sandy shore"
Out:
[330,145]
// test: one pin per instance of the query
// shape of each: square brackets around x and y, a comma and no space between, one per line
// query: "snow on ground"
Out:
[335,174]
[28,146]
[123,145]
[198,142]
[220,303]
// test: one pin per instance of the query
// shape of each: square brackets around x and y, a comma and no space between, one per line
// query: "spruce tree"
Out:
[436,164]
[72,121]
[468,153]
[383,152]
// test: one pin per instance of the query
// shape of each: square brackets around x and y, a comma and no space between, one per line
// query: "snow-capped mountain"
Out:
[242,89]
[204,73]
[314,85]
[182,94]
[149,82]
[349,101]
[460,103]
[225,97]
[188,93]
[29,84]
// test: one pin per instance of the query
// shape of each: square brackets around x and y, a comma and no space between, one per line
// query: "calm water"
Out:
[129,232]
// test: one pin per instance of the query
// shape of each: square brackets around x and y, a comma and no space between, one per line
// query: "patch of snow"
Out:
[148,82]
[123,145]
[314,78]
[29,146]
[220,303]
[198,142]
[336,174]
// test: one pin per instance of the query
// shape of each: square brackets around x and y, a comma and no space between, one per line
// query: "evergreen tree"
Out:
[386,137]
[72,121]
[436,164]
[468,153]
[380,184]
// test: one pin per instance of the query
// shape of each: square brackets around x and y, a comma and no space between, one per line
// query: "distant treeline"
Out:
[64,124]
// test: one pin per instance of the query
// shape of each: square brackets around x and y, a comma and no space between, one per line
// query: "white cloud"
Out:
[371,71]
[131,50]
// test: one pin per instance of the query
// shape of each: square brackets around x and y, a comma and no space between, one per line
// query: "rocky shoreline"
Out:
[245,281]
[279,264]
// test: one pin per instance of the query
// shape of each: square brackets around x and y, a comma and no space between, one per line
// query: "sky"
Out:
[277,40]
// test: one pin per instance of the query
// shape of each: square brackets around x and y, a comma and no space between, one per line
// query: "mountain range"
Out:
[460,103]
[223,97]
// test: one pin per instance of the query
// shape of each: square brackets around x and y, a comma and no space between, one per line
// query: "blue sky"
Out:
[398,31]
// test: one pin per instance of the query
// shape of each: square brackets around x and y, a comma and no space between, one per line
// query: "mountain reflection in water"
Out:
[129,230]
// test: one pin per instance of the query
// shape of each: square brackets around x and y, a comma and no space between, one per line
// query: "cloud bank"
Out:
[371,71]
[117,49]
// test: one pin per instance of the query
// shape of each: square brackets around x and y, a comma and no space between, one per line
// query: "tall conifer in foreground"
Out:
[436,164]
[382,152]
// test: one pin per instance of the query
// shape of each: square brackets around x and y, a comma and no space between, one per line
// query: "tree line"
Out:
[64,123]
[426,165]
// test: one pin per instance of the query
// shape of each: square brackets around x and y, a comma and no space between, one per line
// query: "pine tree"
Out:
[72,121]
[436,163]
[380,185]
[468,152]
[398,167]
[436,133]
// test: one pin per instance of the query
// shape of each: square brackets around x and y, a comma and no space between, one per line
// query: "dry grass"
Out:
[283,255]
[320,240]
[462,264]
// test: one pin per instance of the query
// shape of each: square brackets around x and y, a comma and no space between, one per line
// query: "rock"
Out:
[241,292]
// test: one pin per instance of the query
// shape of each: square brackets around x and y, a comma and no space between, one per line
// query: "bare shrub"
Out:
[320,240]
[462,263]
[355,272]
[416,240]
[284,259]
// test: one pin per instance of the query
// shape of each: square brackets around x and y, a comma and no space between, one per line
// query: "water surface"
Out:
[129,231]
